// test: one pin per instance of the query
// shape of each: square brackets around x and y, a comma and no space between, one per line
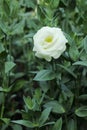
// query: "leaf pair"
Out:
[41,122]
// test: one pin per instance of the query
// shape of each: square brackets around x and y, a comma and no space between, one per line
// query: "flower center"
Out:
[49,39]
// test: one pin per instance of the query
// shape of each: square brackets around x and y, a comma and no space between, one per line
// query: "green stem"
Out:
[76,101]
[76,91]
[2,110]
[25,57]
[5,80]
[10,48]
[4,84]
[53,65]
[75,123]
[66,121]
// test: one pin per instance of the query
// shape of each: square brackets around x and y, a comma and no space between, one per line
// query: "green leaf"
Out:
[44,86]
[44,75]
[37,95]
[67,97]
[66,90]
[4,27]
[82,63]
[1,48]
[18,28]
[18,85]
[8,66]
[68,70]
[71,125]
[65,2]
[29,102]
[83,97]
[56,107]
[54,3]
[41,12]
[84,41]
[25,123]
[58,125]
[6,8]
[5,89]
[70,40]
[48,123]
[73,52]
[81,111]
[2,35]
[16,127]
[14,6]
[44,116]
[83,56]
[5,120]
[30,3]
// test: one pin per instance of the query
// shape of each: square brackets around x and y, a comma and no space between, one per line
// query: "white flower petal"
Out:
[49,42]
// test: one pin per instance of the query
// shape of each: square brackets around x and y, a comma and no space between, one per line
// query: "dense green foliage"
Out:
[36,94]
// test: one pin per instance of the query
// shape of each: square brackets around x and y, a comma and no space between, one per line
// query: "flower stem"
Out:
[53,65]
[75,122]
[66,122]
[2,110]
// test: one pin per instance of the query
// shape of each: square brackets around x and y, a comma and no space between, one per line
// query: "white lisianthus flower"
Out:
[49,42]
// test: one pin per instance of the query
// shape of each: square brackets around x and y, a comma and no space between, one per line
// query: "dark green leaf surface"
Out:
[58,125]
[81,111]
[56,107]
[44,75]
[85,43]
[81,63]
[8,66]
[71,125]
[44,116]
[25,123]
